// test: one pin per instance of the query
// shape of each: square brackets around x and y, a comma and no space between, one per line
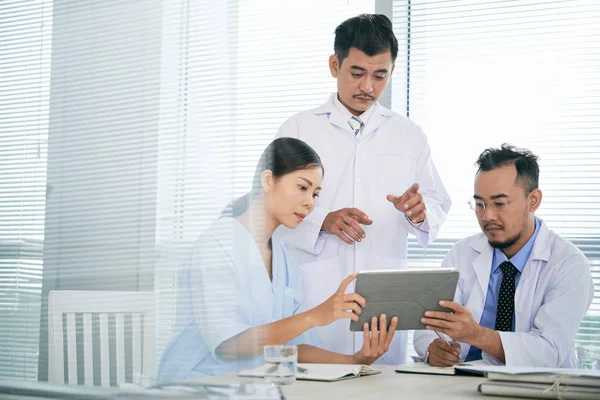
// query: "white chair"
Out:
[68,303]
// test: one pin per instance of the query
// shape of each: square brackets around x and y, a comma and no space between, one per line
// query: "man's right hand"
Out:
[442,354]
[344,224]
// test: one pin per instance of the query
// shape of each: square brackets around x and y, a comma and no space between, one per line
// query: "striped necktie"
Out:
[356,125]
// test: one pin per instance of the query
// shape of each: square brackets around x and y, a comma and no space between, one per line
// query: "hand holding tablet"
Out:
[406,294]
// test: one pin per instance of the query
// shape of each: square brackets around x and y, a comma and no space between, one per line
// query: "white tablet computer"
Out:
[406,294]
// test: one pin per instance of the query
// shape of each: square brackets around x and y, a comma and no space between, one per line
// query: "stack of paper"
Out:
[541,383]
[320,372]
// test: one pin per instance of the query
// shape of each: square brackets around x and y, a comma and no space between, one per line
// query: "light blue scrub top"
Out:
[224,289]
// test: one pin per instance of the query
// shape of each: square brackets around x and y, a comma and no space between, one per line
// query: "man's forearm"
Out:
[488,340]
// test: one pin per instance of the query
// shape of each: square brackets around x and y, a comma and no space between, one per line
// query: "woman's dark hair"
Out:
[282,156]
[372,34]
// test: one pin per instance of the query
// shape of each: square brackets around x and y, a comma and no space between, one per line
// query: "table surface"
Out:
[387,385]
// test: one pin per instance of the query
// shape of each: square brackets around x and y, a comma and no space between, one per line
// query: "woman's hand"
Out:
[339,305]
[377,342]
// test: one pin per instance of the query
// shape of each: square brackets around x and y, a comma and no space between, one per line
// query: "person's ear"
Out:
[334,65]
[267,181]
[535,199]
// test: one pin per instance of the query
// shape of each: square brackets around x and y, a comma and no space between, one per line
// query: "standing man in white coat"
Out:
[523,290]
[380,183]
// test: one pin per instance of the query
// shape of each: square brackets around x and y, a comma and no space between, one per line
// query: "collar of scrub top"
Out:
[483,263]
[376,116]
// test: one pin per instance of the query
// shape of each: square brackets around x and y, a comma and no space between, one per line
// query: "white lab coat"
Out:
[551,299]
[389,156]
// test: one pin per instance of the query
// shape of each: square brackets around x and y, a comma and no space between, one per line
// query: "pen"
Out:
[446,340]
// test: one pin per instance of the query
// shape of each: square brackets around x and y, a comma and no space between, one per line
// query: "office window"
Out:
[478,74]
[26,32]
[126,130]
[245,69]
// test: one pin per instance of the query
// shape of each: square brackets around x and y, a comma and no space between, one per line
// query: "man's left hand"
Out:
[459,324]
[411,204]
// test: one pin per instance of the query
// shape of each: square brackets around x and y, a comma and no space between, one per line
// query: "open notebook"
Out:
[469,368]
[320,372]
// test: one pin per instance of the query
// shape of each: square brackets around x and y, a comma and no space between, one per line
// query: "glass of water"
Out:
[280,362]
[588,358]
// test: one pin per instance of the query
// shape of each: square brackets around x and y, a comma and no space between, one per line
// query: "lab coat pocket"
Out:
[320,279]
[396,170]
[292,299]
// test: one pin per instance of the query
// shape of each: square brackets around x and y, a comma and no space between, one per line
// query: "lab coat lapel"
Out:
[376,120]
[333,114]
[526,288]
[482,266]
[540,252]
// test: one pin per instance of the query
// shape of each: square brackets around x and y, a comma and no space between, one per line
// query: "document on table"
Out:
[320,372]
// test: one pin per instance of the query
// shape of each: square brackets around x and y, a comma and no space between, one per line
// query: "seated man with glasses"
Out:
[523,290]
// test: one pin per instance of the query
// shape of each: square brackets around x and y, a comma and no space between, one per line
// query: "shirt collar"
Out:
[519,260]
[347,114]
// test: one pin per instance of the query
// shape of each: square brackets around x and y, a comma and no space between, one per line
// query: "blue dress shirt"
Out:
[519,260]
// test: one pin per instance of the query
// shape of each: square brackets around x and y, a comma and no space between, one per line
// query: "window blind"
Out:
[26,33]
[159,114]
[245,68]
[479,74]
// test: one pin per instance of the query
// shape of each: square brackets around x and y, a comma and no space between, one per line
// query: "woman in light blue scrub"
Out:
[239,290]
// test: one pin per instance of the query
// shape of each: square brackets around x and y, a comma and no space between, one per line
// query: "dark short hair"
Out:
[370,33]
[526,163]
[282,156]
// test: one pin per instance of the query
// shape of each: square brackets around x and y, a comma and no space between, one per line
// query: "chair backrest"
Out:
[138,307]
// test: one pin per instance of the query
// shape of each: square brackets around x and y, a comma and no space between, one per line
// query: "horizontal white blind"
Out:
[103,139]
[26,33]
[281,68]
[525,72]
[244,68]
[196,137]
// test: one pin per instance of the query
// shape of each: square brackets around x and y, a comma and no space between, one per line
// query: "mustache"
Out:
[490,225]
[363,96]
